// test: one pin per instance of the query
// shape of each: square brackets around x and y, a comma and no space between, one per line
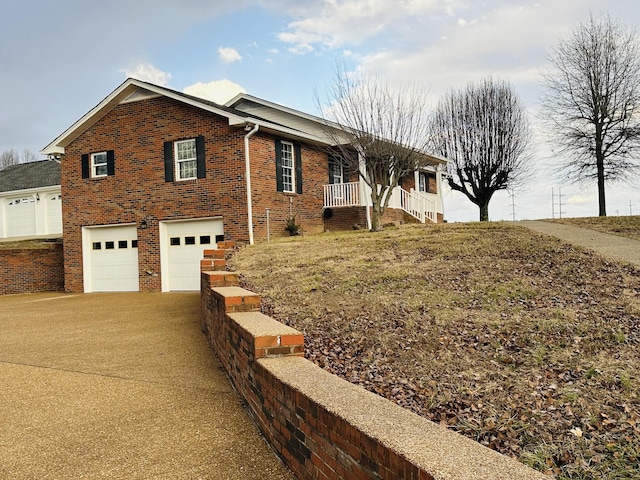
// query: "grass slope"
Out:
[514,339]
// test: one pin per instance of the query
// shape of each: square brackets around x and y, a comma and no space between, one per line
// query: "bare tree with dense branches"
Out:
[483,130]
[377,131]
[12,157]
[593,102]
[8,158]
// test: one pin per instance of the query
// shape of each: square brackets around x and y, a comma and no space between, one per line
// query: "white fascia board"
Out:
[56,147]
[278,129]
[31,191]
[276,106]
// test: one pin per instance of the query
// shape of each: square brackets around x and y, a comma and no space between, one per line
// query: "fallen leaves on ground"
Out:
[519,341]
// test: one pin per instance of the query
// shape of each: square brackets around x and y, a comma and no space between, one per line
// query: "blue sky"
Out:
[59,59]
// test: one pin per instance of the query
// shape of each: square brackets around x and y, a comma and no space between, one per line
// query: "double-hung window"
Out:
[336,171]
[99,164]
[186,159]
[423,182]
[288,167]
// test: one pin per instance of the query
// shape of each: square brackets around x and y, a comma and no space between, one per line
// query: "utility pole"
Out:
[513,205]
[630,208]
[560,203]
[553,202]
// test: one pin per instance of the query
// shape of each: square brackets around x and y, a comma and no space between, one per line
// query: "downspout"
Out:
[247,162]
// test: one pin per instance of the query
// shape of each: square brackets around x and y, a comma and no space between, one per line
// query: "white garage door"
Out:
[182,246]
[21,216]
[111,259]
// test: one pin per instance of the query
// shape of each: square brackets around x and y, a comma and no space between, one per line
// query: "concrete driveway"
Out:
[119,386]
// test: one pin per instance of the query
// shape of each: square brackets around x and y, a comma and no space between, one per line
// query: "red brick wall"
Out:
[137,132]
[307,207]
[31,270]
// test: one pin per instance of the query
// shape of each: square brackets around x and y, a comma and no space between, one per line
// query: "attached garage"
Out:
[110,258]
[181,247]
[21,216]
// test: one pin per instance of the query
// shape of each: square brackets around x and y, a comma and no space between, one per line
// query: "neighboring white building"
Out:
[30,200]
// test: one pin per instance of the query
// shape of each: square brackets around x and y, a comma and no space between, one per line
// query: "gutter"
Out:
[248,176]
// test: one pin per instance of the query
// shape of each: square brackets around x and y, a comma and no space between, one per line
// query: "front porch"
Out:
[420,205]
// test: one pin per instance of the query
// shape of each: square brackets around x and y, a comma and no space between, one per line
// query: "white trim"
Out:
[292,167]
[93,166]
[177,161]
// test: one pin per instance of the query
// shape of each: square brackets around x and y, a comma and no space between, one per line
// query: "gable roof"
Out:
[44,173]
[132,90]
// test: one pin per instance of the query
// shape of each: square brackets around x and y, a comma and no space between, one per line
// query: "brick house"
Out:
[152,176]
[30,200]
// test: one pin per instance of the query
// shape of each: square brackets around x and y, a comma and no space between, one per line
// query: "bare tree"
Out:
[592,101]
[483,130]
[28,156]
[377,131]
[8,158]
[13,157]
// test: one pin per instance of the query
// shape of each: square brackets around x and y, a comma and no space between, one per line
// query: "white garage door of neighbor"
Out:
[21,216]
[113,259]
[184,243]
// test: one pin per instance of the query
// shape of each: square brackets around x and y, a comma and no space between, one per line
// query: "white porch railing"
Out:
[342,195]
[423,206]
[419,205]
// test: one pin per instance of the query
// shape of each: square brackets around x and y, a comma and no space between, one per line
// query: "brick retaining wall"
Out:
[31,270]
[322,426]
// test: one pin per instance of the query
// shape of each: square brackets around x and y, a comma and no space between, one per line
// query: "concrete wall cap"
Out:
[261,325]
[442,453]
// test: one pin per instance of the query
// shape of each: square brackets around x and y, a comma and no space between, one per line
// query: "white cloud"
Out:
[229,55]
[148,73]
[218,91]
[336,23]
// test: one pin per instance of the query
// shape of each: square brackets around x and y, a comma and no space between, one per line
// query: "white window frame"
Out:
[288,154]
[179,161]
[340,165]
[424,175]
[98,165]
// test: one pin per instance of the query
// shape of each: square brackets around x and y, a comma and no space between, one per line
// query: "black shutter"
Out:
[202,169]
[297,151]
[111,163]
[85,165]
[279,185]
[168,161]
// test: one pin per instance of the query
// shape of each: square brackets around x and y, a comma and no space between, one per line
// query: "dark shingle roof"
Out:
[22,176]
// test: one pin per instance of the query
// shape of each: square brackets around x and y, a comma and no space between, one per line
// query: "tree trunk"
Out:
[376,218]
[484,212]
[602,204]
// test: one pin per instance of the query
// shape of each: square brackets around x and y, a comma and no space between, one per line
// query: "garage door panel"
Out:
[21,216]
[185,243]
[113,259]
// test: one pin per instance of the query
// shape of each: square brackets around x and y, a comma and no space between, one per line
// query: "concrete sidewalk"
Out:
[119,386]
[613,246]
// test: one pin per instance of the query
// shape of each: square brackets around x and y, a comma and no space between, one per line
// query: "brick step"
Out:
[236,299]
[213,264]
[219,253]
[223,279]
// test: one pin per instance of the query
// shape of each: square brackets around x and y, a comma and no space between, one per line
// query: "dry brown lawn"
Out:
[517,340]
